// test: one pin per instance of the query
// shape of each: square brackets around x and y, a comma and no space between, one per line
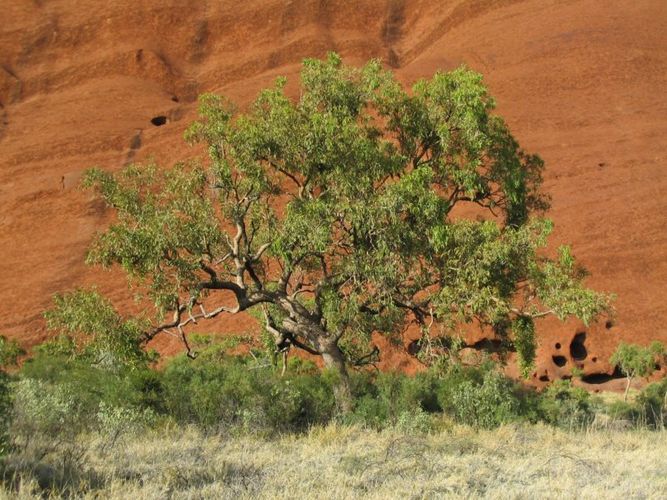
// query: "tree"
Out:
[637,361]
[338,215]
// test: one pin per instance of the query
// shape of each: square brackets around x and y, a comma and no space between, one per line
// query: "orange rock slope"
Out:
[581,82]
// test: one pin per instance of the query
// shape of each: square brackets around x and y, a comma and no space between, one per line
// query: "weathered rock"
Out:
[580,85]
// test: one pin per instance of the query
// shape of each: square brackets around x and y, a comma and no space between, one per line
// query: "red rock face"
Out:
[581,82]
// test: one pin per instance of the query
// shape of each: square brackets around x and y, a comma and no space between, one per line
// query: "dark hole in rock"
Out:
[544,378]
[414,347]
[174,98]
[597,378]
[577,348]
[608,324]
[594,359]
[557,345]
[658,367]
[566,377]
[158,121]
[601,378]
[489,345]
[559,360]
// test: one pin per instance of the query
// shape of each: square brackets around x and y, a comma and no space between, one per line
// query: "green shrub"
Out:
[386,398]
[90,384]
[652,404]
[113,422]
[60,395]
[622,410]
[415,421]
[477,395]
[46,418]
[453,375]
[566,406]
[10,351]
[233,392]
[5,412]
[486,405]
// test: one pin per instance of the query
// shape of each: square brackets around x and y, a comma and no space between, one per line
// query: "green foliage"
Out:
[566,406]
[45,409]
[415,421]
[230,393]
[59,396]
[369,175]
[577,372]
[525,343]
[636,361]
[475,395]
[92,329]
[559,286]
[10,351]
[166,221]
[624,411]
[452,375]
[116,421]
[652,404]
[486,405]
[90,384]
[61,345]
[6,401]
[393,399]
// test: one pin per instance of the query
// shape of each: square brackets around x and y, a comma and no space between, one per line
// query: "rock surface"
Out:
[580,82]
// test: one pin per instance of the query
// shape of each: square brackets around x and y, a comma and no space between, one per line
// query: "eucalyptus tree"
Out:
[341,213]
[637,361]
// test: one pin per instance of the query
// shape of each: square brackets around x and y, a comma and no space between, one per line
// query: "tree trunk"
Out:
[335,360]
[627,389]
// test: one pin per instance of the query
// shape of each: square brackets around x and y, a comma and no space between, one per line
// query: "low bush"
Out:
[5,412]
[138,387]
[652,404]
[564,405]
[488,404]
[10,351]
[61,395]
[234,392]
[385,399]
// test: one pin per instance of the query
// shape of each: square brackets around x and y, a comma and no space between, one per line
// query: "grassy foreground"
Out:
[516,461]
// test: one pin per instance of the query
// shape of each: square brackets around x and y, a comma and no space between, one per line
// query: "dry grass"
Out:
[348,462]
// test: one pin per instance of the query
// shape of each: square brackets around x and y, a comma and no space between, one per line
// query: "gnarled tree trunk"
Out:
[335,360]
[317,341]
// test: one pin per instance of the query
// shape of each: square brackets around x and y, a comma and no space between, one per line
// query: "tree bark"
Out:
[335,360]
[627,389]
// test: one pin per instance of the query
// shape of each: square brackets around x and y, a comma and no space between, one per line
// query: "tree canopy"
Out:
[342,213]
[637,361]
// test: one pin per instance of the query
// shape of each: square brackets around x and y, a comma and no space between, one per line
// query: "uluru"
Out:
[581,83]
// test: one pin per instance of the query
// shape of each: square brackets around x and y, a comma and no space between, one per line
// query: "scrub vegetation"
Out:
[225,425]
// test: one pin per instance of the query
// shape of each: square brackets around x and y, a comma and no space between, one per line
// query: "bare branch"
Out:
[368,359]
[260,251]
[305,347]
[540,314]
